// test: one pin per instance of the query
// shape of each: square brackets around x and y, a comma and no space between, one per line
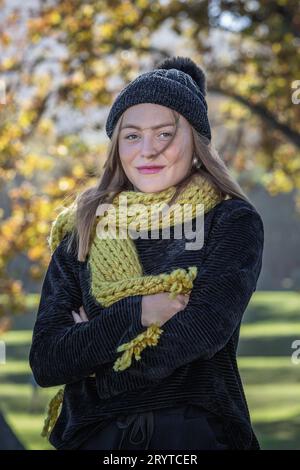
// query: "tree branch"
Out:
[292,135]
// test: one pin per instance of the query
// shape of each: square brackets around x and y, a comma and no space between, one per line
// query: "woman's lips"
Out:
[150,170]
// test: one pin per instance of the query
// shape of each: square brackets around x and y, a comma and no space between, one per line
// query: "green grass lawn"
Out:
[23,410]
[271,380]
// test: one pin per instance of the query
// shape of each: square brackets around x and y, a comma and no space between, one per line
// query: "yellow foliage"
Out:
[277,182]
[78,171]
[87,10]
[276,47]
[8,229]
[35,252]
[54,18]
[26,118]
[106,30]
[66,184]
[45,126]
[7,63]
[62,150]
[32,163]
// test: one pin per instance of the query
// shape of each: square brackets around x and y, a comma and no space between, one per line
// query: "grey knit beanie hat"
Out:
[177,83]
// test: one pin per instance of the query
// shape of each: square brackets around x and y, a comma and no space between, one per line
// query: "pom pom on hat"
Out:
[187,65]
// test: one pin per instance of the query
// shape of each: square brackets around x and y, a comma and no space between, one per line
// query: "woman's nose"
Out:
[148,148]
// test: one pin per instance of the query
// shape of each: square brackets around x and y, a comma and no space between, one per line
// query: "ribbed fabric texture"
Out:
[195,359]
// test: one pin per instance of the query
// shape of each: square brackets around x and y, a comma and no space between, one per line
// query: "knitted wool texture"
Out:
[114,264]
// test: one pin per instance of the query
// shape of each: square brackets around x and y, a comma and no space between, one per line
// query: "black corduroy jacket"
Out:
[194,361]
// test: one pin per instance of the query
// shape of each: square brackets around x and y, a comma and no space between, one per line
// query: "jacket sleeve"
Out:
[63,351]
[225,282]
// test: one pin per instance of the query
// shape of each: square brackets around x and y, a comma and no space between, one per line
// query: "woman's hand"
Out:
[81,316]
[159,308]
[156,308]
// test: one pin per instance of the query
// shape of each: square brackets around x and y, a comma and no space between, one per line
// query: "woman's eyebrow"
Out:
[153,127]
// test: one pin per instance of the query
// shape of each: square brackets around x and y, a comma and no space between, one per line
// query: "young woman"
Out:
[173,308]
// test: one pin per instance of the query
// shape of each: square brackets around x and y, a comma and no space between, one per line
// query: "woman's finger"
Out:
[83,314]
[183,298]
[76,317]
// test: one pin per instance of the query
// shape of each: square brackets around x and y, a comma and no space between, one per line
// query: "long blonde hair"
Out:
[113,180]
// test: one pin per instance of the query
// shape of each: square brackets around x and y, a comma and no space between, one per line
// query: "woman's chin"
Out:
[151,183]
[151,188]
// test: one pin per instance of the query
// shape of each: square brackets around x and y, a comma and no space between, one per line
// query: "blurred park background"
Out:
[61,65]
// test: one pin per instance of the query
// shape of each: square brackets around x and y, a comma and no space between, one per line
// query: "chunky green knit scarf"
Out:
[116,271]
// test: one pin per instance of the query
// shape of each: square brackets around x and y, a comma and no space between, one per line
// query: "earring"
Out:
[196,162]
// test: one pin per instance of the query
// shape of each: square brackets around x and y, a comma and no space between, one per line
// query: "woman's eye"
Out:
[168,133]
[127,137]
[134,135]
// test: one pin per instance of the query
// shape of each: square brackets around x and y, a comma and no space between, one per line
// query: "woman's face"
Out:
[139,142]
